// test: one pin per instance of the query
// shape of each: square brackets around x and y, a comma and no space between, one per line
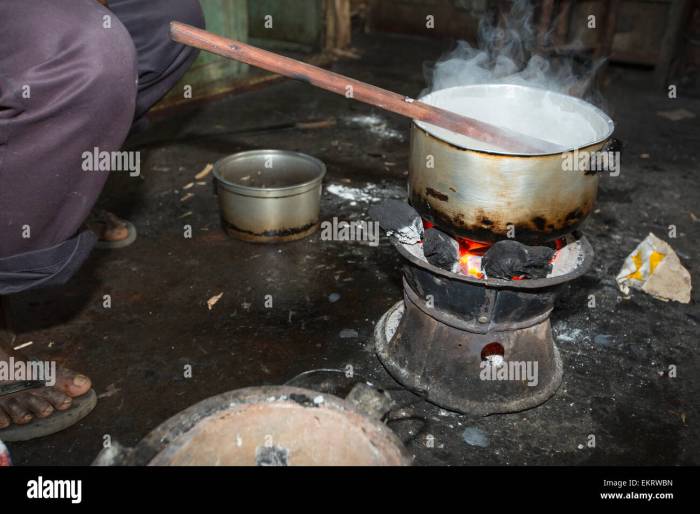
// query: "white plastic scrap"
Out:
[653,267]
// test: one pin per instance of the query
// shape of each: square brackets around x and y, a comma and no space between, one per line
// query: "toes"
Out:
[37,405]
[20,414]
[113,221]
[115,228]
[4,419]
[59,400]
[116,234]
[73,384]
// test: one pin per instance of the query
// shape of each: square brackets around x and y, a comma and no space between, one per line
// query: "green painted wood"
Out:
[300,22]
[296,26]
[209,73]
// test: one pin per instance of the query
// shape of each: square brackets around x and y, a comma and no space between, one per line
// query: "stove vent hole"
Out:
[493,353]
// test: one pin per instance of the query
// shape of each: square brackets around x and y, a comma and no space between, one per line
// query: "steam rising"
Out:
[506,54]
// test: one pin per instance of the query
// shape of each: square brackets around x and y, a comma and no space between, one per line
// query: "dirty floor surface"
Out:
[327,296]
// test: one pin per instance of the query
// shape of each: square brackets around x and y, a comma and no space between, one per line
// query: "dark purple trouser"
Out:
[68,84]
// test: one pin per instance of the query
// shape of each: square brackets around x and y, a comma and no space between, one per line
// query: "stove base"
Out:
[462,371]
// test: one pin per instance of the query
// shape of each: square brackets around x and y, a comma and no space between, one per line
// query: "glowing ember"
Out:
[471,253]
[558,245]
[471,265]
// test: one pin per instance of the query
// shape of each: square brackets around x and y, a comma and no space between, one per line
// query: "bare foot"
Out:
[108,227]
[22,407]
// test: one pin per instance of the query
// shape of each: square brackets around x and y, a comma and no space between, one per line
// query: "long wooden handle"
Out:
[503,138]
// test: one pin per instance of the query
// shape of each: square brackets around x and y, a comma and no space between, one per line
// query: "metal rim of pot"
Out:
[584,104]
[268,192]
[183,422]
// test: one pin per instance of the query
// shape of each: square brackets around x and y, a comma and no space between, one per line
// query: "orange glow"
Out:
[471,265]
[471,252]
[558,245]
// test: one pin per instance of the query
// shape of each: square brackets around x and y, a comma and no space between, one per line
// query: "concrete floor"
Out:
[614,386]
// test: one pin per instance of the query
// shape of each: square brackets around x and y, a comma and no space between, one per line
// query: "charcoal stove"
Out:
[477,346]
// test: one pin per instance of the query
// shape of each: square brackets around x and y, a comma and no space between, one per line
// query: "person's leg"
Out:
[161,64]
[161,61]
[67,85]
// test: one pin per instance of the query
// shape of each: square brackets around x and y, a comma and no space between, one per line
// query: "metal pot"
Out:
[269,195]
[481,193]
[270,425]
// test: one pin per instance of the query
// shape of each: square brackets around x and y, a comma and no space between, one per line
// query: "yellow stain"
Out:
[654,259]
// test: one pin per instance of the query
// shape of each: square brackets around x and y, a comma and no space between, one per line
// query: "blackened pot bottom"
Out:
[281,236]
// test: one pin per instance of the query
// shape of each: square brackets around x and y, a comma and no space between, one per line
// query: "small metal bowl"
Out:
[269,196]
